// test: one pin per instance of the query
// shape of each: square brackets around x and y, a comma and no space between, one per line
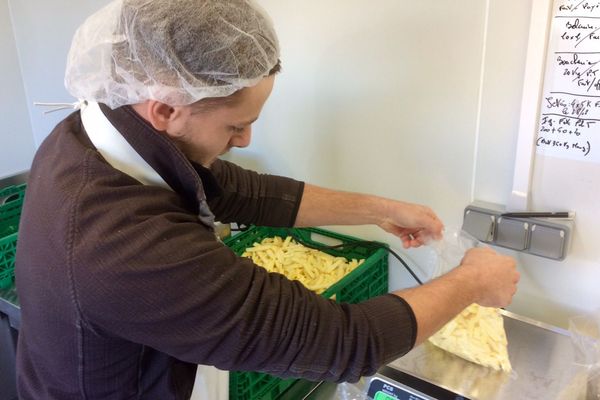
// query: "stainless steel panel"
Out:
[542,357]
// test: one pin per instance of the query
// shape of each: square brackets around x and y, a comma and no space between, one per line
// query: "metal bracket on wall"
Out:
[544,237]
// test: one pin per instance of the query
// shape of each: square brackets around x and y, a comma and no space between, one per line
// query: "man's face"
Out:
[203,136]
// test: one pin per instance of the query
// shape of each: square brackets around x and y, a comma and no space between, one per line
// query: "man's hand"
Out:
[414,224]
[495,274]
[483,276]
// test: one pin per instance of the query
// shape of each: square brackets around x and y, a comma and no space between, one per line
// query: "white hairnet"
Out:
[173,51]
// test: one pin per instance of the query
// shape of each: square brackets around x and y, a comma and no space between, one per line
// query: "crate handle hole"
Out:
[9,199]
[326,240]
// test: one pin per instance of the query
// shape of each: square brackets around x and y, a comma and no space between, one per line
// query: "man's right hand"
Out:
[495,276]
[484,277]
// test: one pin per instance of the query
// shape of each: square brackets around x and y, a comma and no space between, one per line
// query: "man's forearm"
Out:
[414,224]
[320,206]
[437,302]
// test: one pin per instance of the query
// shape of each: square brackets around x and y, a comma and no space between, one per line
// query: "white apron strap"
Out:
[115,149]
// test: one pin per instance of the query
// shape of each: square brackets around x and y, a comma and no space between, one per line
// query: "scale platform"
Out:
[542,356]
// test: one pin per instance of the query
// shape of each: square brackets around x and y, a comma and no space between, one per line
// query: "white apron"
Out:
[211,383]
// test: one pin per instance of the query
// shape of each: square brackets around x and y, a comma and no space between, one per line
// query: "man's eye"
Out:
[237,129]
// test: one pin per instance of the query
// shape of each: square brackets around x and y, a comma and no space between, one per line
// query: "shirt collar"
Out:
[182,175]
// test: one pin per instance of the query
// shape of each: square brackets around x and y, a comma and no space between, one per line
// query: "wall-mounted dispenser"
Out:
[544,237]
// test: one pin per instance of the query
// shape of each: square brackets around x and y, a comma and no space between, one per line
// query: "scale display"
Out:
[382,390]
[393,384]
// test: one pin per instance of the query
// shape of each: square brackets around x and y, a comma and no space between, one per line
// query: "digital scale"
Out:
[382,389]
[542,357]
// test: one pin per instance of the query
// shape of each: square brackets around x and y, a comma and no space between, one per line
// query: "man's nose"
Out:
[242,140]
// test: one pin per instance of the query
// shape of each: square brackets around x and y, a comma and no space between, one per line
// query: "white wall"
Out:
[377,96]
[43,32]
[501,90]
[16,140]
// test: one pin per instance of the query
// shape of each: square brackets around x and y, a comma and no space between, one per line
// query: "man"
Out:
[124,287]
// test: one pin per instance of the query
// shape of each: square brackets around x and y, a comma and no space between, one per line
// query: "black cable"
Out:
[404,264]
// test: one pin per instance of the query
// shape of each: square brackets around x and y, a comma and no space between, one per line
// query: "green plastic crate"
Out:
[8,248]
[369,280]
[11,204]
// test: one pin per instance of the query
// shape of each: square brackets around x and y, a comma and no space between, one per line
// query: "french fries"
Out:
[313,268]
[477,335]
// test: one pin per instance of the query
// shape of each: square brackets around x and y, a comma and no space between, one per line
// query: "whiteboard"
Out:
[560,109]
[569,121]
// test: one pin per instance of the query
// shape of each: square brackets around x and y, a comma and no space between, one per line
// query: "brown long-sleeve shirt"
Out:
[124,287]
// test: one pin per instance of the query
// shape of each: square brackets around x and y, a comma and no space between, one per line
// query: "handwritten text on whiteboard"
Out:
[570,111]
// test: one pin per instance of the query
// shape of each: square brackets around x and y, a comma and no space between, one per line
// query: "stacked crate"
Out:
[368,280]
[11,204]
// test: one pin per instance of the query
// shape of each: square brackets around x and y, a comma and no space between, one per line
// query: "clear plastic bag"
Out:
[477,333]
[349,391]
[450,250]
[585,336]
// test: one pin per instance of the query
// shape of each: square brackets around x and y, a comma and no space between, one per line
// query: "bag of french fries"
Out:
[477,333]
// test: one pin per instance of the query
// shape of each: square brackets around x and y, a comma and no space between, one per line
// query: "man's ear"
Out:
[162,117]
